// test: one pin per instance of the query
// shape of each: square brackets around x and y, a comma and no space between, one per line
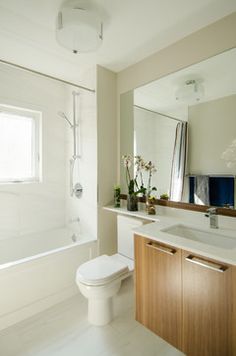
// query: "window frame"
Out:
[36,154]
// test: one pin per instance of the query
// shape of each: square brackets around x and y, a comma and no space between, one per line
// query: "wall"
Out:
[126,132]
[107,156]
[155,138]
[85,171]
[30,207]
[194,48]
[34,207]
[207,121]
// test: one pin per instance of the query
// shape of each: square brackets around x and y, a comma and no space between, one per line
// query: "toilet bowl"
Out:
[100,278]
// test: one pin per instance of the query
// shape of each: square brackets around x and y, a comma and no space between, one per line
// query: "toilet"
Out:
[100,278]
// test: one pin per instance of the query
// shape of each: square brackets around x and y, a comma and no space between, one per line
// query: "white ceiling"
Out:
[217,76]
[133,30]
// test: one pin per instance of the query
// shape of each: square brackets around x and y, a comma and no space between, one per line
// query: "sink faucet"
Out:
[212,214]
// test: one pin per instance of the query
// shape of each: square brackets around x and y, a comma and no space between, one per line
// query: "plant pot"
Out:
[132,202]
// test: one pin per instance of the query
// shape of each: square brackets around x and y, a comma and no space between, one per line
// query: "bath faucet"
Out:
[212,214]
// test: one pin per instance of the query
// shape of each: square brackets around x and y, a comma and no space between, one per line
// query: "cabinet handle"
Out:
[208,264]
[165,249]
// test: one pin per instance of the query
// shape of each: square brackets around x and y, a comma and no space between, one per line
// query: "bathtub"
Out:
[38,271]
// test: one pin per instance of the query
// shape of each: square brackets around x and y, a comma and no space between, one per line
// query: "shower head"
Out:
[63,115]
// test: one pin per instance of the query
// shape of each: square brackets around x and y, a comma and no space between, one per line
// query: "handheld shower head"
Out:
[63,115]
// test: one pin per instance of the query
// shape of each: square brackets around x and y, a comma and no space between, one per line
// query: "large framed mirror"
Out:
[185,123]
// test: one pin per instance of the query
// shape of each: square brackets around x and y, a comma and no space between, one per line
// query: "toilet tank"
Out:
[125,235]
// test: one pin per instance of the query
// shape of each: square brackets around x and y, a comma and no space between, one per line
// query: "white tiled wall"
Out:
[155,137]
[84,208]
[31,207]
[25,208]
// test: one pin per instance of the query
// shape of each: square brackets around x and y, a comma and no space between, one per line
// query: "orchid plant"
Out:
[132,183]
[136,185]
[151,169]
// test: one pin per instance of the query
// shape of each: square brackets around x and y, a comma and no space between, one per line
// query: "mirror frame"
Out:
[187,206]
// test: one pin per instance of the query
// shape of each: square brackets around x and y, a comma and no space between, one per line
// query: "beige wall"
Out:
[107,157]
[194,48]
[213,125]
[126,132]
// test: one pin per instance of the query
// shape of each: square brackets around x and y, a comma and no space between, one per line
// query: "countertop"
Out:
[136,214]
[154,231]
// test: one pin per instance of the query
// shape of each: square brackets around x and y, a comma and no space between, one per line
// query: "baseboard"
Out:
[37,307]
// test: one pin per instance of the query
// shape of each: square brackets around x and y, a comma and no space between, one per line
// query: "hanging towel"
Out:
[201,190]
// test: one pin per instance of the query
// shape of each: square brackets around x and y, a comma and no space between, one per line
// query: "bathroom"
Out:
[61,216]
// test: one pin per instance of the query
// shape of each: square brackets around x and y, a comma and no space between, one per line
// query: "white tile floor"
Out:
[64,331]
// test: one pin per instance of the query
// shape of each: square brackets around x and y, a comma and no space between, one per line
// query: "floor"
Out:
[63,330]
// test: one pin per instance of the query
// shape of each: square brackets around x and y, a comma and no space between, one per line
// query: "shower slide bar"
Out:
[75,189]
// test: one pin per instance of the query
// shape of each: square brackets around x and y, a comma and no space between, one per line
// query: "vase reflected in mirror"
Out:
[150,206]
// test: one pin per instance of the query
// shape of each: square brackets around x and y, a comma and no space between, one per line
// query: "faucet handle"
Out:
[211,210]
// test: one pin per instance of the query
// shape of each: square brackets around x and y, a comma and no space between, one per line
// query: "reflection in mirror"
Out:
[185,124]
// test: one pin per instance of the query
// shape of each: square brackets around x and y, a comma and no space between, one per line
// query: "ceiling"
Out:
[133,30]
[217,75]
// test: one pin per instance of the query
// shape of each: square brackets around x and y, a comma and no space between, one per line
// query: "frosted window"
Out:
[19,147]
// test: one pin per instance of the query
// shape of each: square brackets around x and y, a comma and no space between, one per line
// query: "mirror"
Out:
[185,123]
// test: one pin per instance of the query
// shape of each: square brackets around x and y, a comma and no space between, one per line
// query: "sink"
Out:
[210,238]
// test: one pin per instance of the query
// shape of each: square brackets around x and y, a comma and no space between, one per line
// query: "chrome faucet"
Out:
[212,214]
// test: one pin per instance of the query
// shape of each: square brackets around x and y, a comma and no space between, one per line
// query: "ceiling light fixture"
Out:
[192,91]
[78,29]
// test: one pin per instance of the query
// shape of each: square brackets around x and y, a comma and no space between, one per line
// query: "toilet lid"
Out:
[100,270]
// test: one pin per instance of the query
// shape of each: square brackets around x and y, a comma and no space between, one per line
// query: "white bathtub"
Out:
[38,270]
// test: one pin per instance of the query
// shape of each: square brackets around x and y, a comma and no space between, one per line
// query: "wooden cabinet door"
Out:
[207,307]
[158,288]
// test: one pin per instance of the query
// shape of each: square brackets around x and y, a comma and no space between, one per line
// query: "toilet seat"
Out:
[101,270]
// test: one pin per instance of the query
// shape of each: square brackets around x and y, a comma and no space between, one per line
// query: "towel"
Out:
[201,190]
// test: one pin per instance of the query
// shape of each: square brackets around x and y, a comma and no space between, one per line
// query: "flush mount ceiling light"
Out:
[79,29]
[192,91]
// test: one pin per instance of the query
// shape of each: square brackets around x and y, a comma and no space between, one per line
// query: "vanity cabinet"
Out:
[158,288]
[188,300]
[207,306]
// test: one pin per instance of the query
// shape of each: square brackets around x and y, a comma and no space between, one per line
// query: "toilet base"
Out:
[100,311]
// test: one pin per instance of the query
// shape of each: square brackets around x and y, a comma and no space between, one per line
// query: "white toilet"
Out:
[100,278]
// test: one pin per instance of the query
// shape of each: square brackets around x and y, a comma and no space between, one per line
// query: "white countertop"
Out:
[153,231]
[137,214]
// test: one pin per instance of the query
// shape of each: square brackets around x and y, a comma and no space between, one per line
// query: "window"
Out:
[19,145]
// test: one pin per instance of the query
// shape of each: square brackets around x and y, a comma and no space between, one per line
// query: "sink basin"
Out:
[210,238]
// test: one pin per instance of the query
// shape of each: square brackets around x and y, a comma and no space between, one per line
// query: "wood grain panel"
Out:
[233,306]
[158,289]
[188,206]
[207,308]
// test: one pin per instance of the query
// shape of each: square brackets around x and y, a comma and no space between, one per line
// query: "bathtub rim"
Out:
[21,261]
